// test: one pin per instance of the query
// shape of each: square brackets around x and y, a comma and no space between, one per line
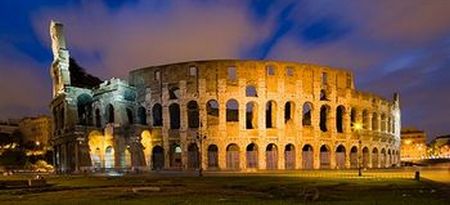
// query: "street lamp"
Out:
[358,127]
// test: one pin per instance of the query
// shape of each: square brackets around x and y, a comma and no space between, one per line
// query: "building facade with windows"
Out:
[241,115]
[413,144]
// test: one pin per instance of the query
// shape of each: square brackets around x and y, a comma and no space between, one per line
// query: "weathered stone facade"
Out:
[223,115]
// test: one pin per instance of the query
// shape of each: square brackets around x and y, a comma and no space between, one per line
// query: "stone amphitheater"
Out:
[240,115]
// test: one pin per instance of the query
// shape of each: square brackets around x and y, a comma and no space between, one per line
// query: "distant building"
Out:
[413,144]
[9,126]
[36,129]
[440,147]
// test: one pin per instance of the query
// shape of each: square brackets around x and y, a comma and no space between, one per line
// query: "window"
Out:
[324,78]
[193,71]
[232,75]
[250,91]
[289,71]
[270,70]
[157,75]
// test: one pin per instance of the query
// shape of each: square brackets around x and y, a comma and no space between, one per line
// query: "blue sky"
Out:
[391,45]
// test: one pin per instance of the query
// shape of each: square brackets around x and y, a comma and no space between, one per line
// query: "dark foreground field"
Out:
[294,188]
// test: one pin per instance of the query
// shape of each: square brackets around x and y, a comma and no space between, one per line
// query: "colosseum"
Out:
[240,115]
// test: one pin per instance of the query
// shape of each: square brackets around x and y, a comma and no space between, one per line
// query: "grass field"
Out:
[292,188]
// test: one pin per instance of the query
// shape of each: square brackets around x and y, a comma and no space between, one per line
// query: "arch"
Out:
[125,159]
[271,114]
[96,160]
[232,157]
[174,114]
[353,117]
[289,156]
[307,114]
[142,115]
[289,111]
[323,95]
[383,122]
[324,111]
[365,157]
[250,91]
[213,156]
[324,157]
[365,118]
[212,112]
[354,157]
[389,125]
[271,156]
[109,157]
[375,122]
[389,159]
[98,118]
[383,158]
[157,157]
[84,108]
[251,115]
[193,114]
[130,116]
[175,156]
[232,110]
[252,156]
[340,112]
[193,156]
[375,158]
[307,157]
[110,113]
[340,157]
[157,115]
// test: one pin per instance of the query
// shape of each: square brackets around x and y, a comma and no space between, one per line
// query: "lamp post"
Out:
[357,127]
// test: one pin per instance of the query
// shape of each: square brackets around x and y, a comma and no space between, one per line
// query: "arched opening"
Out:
[271,156]
[175,156]
[340,157]
[125,159]
[383,123]
[157,157]
[109,157]
[96,142]
[193,114]
[365,116]
[354,157]
[110,113]
[174,93]
[232,157]
[252,156]
[375,158]
[324,109]
[130,116]
[142,115]
[352,118]
[213,156]
[289,156]
[84,108]
[212,112]
[232,111]
[389,125]
[307,113]
[366,157]
[325,157]
[251,117]
[389,158]
[323,95]
[375,122]
[289,111]
[383,158]
[271,114]
[250,91]
[98,118]
[157,115]
[340,111]
[174,114]
[307,157]
[193,160]
[96,160]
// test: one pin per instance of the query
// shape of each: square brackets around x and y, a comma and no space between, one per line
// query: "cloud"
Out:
[139,35]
